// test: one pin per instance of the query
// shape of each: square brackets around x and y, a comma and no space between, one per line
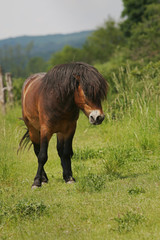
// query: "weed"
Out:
[136,190]
[29,208]
[112,169]
[128,221]
[91,183]
[154,167]
[24,208]
[117,156]
[88,153]
[124,153]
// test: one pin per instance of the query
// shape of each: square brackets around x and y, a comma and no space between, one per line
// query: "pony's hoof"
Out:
[70,180]
[37,183]
[44,183]
[35,187]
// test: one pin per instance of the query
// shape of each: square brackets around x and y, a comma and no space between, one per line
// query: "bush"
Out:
[128,221]
[17,88]
[29,208]
[22,209]
[136,190]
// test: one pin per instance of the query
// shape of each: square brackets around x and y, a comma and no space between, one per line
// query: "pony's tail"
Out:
[25,140]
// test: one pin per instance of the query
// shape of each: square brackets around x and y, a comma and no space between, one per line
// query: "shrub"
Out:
[22,209]
[117,156]
[128,221]
[136,190]
[29,208]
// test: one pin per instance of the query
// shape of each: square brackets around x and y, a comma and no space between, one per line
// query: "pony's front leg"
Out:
[64,148]
[42,159]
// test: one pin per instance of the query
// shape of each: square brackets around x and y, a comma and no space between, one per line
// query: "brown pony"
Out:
[51,103]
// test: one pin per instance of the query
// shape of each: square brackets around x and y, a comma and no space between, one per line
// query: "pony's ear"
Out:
[77,77]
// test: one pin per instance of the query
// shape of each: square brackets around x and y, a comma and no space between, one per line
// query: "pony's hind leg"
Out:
[65,152]
[44,175]
[42,159]
[40,150]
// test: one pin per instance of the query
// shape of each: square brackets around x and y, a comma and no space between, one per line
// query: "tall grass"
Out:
[116,166]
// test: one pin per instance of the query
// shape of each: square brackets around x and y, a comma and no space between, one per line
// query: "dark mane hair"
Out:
[63,78]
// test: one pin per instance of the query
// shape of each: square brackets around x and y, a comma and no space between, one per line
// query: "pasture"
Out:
[116,167]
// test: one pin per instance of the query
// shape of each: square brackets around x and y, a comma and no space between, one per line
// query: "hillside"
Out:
[44,46]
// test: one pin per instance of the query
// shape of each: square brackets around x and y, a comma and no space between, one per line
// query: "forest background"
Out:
[134,40]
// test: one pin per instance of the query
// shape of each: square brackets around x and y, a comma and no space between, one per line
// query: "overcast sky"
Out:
[40,17]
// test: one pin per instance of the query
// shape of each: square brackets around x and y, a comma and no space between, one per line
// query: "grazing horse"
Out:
[51,103]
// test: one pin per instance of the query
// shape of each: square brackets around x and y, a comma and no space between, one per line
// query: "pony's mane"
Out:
[63,79]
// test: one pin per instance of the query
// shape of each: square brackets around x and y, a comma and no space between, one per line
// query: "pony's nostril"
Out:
[100,118]
[92,118]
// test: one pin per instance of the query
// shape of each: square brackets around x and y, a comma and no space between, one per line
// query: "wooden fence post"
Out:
[2,94]
[9,88]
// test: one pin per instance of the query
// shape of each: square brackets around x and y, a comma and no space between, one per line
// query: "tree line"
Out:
[135,38]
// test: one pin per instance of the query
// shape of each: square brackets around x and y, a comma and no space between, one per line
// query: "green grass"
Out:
[117,171]
[116,195]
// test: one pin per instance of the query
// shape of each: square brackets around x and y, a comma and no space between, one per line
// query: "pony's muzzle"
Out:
[96,118]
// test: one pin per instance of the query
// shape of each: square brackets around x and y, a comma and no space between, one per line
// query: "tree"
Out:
[14,59]
[35,65]
[145,36]
[133,12]
[66,55]
[100,46]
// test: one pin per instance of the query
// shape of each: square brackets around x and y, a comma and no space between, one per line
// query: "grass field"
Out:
[116,166]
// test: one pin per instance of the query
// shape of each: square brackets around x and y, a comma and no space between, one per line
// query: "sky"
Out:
[41,17]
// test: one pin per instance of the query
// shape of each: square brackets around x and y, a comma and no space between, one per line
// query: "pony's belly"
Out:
[63,126]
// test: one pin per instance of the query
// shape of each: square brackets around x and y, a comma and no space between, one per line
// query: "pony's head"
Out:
[92,110]
[88,96]
[82,82]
